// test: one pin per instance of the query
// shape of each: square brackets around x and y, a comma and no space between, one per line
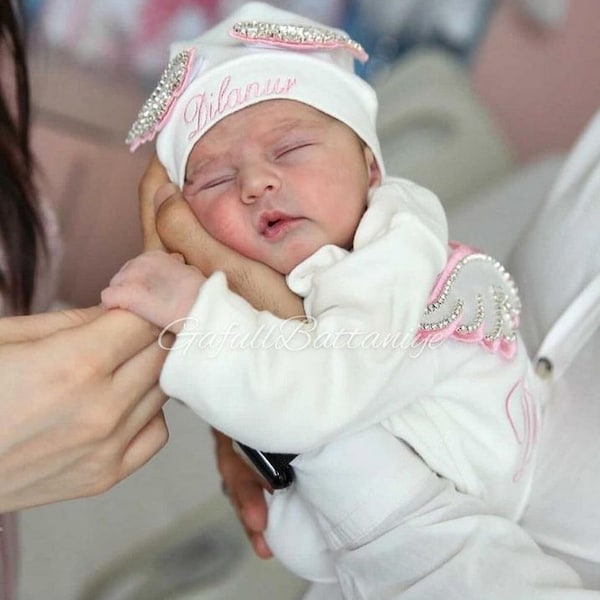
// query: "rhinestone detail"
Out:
[477,322]
[153,112]
[300,37]
[496,310]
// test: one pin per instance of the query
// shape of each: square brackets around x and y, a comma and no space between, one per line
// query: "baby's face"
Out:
[278,180]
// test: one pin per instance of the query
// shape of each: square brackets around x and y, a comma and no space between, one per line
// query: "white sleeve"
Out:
[295,538]
[399,531]
[289,386]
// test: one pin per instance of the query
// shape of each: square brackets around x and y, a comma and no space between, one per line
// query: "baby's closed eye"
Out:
[287,150]
[200,183]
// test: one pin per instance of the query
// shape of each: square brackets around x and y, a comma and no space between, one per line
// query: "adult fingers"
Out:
[244,487]
[31,327]
[108,341]
[264,288]
[259,544]
[149,440]
[249,503]
[133,383]
[246,495]
[163,193]
[181,232]
[153,179]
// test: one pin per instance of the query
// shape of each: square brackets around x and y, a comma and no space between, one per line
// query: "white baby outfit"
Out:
[463,406]
[407,391]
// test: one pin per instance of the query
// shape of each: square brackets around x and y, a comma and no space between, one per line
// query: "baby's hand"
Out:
[157,286]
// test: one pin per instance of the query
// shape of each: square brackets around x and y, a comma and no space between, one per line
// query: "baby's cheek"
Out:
[214,216]
[227,227]
[226,222]
[236,239]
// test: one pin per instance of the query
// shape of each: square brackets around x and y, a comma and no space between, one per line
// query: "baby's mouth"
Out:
[274,224]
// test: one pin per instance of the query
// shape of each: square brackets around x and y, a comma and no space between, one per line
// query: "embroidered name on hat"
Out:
[155,110]
[297,37]
[204,108]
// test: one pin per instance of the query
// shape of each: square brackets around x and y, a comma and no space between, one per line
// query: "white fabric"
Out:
[453,404]
[428,541]
[557,265]
[495,218]
[572,330]
[559,253]
[415,240]
[228,75]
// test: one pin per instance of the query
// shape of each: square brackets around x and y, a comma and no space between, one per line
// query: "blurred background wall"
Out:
[532,64]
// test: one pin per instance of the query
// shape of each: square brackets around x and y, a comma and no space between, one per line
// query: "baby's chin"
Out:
[283,266]
[289,257]
[287,266]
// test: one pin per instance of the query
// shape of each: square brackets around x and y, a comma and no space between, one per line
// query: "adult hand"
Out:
[168,222]
[244,488]
[81,408]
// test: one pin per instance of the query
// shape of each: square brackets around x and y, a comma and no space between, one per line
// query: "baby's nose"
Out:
[258,180]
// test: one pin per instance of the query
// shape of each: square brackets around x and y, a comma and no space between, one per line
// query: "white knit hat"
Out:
[258,53]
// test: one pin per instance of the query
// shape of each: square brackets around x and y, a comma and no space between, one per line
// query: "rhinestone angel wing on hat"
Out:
[173,81]
[474,300]
[155,110]
[297,37]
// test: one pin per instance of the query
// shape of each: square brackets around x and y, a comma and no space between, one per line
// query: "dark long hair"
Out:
[21,230]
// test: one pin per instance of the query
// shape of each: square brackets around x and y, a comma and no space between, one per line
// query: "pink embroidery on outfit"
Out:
[526,435]
[473,300]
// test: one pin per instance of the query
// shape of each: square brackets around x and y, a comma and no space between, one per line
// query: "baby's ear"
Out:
[372,167]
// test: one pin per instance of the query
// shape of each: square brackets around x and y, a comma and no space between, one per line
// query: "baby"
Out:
[271,136]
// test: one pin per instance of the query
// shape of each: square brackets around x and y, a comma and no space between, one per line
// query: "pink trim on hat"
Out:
[335,41]
[161,119]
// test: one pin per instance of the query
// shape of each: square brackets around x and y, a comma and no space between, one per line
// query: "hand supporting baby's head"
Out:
[266,108]
[278,180]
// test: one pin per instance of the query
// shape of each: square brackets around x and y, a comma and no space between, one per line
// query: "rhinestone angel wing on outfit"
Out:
[474,300]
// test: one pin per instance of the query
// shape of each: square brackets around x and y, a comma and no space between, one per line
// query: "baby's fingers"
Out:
[122,294]
[119,293]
